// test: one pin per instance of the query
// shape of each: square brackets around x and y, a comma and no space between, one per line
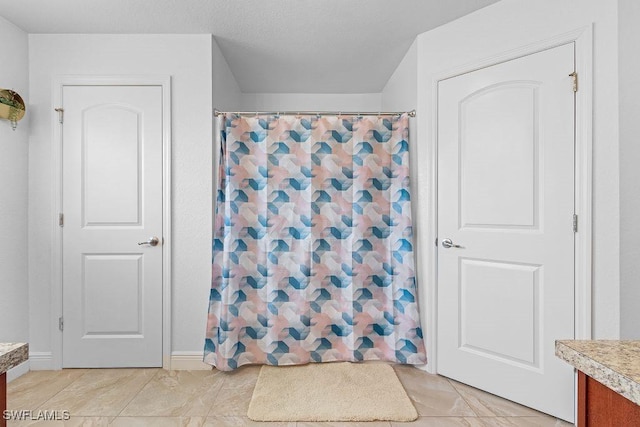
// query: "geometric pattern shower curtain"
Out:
[312,247]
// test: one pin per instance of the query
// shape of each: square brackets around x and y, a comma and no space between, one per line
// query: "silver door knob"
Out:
[153,241]
[447,243]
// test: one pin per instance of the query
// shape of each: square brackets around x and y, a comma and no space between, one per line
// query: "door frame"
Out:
[58,84]
[583,182]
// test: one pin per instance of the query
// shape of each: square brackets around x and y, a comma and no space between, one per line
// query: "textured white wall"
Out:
[188,59]
[14,178]
[226,93]
[401,90]
[311,101]
[629,72]
[510,24]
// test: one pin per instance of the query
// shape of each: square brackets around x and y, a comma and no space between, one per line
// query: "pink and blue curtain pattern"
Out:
[312,249]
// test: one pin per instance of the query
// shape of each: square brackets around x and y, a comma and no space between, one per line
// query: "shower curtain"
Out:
[312,247]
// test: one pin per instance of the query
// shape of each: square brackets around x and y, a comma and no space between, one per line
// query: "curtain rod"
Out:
[411,113]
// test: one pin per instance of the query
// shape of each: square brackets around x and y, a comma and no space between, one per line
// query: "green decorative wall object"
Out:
[12,107]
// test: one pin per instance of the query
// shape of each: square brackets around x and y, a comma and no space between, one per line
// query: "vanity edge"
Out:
[584,360]
[12,354]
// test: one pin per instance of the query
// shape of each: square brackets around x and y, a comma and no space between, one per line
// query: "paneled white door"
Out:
[505,229]
[112,201]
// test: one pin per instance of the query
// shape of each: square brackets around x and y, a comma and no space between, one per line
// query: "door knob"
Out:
[447,243]
[153,241]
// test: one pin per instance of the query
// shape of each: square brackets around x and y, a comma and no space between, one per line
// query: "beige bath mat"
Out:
[330,392]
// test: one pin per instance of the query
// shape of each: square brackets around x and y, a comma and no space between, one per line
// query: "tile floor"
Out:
[158,398]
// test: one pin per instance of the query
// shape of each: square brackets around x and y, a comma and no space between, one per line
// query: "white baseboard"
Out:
[180,361]
[426,368]
[17,371]
[188,361]
[38,361]
[41,361]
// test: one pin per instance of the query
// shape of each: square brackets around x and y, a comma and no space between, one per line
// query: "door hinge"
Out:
[575,223]
[61,323]
[436,242]
[60,112]
[61,219]
[575,81]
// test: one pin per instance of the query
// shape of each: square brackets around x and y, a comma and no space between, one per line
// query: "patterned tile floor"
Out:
[158,398]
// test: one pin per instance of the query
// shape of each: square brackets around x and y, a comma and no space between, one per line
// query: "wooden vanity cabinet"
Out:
[599,406]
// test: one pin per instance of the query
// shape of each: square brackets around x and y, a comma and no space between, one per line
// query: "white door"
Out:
[112,201]
[506,197]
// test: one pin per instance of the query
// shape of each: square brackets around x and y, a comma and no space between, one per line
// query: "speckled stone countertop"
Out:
[12,354]
[615,364]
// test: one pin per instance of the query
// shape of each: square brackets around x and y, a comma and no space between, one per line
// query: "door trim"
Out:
[57,86]
[583,182]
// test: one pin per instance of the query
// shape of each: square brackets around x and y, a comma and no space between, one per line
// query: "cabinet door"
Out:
[599,406]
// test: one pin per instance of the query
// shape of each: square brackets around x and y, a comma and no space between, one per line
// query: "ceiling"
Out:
[304,46]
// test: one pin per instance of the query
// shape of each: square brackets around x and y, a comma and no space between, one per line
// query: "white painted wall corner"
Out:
[17,371]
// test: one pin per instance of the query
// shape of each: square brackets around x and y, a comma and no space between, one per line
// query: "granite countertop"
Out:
[12,354]
[616,364]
